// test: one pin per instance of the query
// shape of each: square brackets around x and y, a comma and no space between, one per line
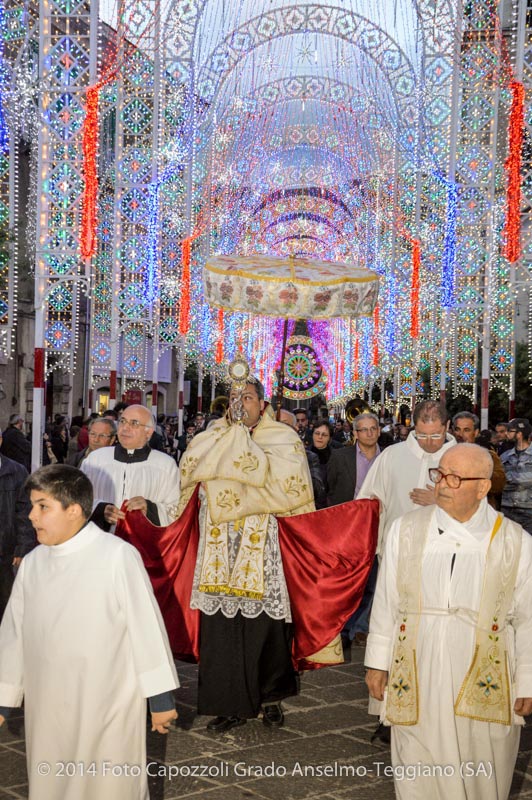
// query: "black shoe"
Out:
[272,715]
[221,724]
[382,733]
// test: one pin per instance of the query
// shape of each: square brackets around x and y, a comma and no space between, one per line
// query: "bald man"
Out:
[450,645]
[131,471]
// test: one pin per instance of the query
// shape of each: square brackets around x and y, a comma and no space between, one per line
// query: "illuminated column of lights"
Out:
[65,68]
[520,272]
[190,328]
[104,314]
[497,326]
[478,227]
[441,97]
[152,274]
[132,314]
[9,197]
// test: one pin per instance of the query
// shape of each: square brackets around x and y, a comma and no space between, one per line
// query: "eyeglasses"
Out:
[453,481]
[366,430]
[434,437]
[132,423]
[100,435]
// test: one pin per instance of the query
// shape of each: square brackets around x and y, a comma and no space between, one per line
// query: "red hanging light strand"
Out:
[375,360]
[512,165]
[184,307]
[89,217]
[186,259]
[414,289]
[219,355]
[356,358]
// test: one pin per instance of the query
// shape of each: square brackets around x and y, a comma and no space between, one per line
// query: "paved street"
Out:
[326,726]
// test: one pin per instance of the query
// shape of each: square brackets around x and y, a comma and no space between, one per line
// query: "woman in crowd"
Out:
[321,445]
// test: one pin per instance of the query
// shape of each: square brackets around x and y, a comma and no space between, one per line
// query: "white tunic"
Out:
[394,474]
[451,594]
[83,641]
[155,479]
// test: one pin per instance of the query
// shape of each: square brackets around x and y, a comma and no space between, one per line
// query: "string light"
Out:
[414,288]
[4,130]
[375,360]
[449,244]
[89,219]
[220,337]
[512,230]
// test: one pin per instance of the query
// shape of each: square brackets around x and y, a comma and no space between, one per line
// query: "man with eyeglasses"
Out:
[449,652]
[131,471]
[102,433]
[399,477]
[466,428]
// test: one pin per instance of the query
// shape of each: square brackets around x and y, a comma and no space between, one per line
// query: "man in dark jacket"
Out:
[15,445]
[17,536]
[517,463]
[346,471]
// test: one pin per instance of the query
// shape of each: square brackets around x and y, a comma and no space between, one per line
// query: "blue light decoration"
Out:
[389,325]
[151,276]
[205,328]
[449,247]
[232,325]
[151,273]
[4,132]
[366,325]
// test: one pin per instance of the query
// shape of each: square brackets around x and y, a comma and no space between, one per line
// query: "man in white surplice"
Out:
[399,476]
[131,472]
[450,645]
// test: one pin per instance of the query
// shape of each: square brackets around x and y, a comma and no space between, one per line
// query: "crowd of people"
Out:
[443,604]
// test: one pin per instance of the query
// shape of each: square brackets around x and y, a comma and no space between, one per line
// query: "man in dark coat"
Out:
[346,470]
[17,536]
[15,445]
[342,478]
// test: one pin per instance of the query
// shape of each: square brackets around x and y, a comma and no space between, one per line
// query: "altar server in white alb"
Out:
[83,643]
[131,471]
[449,650]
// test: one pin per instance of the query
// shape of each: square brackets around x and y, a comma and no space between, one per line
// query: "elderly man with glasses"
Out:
[102,433]
[399,477]
[147,480]
[449,653]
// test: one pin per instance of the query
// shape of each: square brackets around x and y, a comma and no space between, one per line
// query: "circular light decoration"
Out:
[304,377]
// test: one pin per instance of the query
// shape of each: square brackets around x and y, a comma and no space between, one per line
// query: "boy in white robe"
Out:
[444,753]
[83,642]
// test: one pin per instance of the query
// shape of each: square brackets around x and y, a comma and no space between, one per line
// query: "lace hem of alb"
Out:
[275,601]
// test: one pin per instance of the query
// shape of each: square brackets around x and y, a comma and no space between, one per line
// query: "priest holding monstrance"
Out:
[251,581]
[250,468]
[273,580]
